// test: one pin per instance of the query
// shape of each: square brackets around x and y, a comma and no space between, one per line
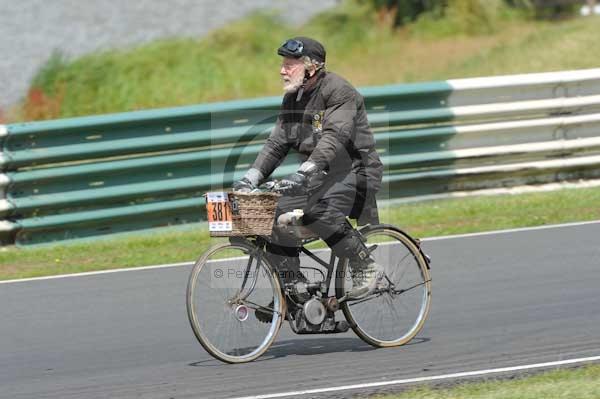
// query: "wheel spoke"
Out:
[402,291]
[369,298]
[222,338]
[398,267]
[389,302]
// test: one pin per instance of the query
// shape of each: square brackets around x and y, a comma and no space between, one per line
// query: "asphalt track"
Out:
[499,300]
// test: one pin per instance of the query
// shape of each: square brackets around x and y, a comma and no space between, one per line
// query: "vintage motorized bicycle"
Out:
[237,301]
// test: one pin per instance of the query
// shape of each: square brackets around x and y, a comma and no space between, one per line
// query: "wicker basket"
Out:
[252,214]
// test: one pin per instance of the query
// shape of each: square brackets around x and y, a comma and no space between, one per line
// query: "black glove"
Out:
[294,184]
[244,185]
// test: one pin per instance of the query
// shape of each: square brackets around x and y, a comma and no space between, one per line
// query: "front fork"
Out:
[249,277]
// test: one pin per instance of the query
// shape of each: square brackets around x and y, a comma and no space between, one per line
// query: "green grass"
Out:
[465,215]
[234,62]
[239,61]
[554,46]
[425,219]
[580,383]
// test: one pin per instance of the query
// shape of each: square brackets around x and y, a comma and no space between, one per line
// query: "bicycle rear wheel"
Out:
[227,286]
[397,311]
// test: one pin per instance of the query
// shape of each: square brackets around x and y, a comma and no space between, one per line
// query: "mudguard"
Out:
[415,241]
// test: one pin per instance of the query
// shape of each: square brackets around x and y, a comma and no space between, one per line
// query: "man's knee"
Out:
[313,215]
[322,212]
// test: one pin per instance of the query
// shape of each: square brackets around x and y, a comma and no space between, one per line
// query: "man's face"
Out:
[292,74]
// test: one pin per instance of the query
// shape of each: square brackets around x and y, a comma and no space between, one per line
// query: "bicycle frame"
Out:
[259,245]
[261,242]
[329,266]
[238,296]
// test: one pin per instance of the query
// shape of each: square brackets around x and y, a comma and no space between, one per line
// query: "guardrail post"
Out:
[7,228]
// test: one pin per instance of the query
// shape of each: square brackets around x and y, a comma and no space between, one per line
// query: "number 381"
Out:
[219,211]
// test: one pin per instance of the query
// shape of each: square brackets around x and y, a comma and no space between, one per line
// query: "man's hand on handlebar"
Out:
[307,179]
[294,184]
[244,185]
[249,182]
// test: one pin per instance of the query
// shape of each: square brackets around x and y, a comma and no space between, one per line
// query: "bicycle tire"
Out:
[200,294]
[362,317]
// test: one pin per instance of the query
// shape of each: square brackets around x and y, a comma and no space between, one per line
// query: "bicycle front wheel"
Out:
[234,302]
[397,311]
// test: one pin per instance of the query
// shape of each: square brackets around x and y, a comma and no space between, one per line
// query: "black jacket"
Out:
[327,125]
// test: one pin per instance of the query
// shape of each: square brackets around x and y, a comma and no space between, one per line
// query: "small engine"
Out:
[317,316]
[298,291]
[314,311]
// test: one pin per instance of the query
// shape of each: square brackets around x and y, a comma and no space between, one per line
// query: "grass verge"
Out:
[424,219]
[579,383]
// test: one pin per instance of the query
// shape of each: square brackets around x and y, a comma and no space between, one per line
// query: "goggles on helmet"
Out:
[295,47]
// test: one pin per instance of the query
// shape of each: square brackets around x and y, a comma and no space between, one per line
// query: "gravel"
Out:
[32,29]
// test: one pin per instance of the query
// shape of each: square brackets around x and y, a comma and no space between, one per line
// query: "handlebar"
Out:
[273,186]
[286,187]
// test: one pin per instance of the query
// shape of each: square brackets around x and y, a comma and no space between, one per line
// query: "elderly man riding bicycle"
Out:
[323,118]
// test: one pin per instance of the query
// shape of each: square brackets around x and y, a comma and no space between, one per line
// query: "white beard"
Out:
[292,85]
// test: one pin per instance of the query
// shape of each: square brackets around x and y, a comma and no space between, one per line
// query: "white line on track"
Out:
[98,272]
[507,231]
[135,269]
[425,379]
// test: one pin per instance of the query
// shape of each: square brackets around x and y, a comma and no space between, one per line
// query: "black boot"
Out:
[289,270]
[286,262]
[366,273]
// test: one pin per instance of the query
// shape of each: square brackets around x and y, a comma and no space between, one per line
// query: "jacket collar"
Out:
[314,81]
[311,84]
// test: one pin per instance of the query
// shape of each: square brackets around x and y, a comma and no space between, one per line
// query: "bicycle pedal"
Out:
[341,326]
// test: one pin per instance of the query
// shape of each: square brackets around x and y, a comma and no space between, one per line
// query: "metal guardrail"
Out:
[97,175]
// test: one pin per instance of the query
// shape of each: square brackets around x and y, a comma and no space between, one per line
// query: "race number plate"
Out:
[218,210]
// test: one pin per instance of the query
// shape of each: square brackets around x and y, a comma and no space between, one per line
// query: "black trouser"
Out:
[325,213]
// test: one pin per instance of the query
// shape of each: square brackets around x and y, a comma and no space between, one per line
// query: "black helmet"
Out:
[302,46]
